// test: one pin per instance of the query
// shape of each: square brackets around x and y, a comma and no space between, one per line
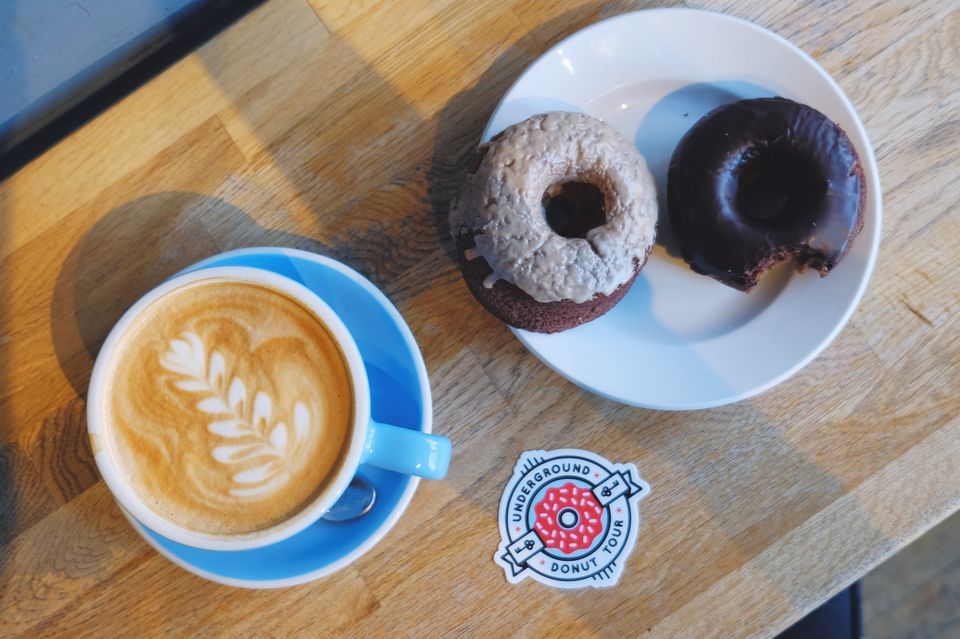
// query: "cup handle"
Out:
[406,451]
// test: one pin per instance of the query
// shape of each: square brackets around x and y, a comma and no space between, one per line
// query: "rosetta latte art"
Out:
[268,451]
[231,407]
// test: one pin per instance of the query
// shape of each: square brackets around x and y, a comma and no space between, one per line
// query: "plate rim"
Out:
[868,161]
[426,426]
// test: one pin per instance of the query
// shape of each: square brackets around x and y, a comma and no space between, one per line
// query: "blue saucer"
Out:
[399,393]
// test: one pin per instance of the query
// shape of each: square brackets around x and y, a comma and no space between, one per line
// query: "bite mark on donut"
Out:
[802,256]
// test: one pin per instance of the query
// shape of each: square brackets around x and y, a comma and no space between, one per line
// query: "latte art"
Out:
[257,438]
[230,407]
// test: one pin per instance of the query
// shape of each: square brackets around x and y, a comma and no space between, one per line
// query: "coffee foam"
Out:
[230,407]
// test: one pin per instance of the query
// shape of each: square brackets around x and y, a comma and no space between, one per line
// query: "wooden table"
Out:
[343,128]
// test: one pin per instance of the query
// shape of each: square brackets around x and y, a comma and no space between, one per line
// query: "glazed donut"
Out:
[762,181]
[555,221]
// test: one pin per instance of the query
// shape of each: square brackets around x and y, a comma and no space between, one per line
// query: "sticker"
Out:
[569,519]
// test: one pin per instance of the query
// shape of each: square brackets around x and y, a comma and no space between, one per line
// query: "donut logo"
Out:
[569,519]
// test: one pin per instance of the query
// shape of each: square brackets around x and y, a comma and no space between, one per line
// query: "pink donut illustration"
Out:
[568,518]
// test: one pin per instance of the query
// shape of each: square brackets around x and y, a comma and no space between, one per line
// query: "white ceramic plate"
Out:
[679,340]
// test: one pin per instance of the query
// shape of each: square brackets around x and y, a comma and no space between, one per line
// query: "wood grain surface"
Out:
[343,128]
[916,593]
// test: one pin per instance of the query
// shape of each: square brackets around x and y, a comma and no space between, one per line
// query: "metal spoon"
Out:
[356,501]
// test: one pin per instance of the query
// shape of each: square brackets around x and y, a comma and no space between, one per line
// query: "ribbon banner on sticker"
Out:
[569,518]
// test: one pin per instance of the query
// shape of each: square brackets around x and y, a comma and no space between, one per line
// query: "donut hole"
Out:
[573,208]
[779,184]
[568,518]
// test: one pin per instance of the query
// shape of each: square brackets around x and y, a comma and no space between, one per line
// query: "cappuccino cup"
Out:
[229,409]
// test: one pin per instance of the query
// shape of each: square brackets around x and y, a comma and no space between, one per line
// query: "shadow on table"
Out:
[112,265]
[10,457]
[138,244]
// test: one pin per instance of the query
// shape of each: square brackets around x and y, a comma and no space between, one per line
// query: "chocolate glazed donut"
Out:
[762,181]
